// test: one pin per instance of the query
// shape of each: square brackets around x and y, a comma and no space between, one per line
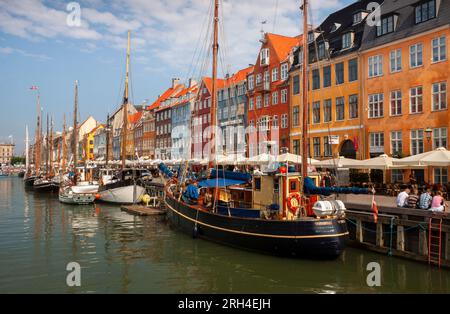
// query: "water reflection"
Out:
[120,253]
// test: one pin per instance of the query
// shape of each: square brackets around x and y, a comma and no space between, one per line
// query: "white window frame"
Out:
[420,145]
[378,101]
[275,98]
[284,121]
[415,97]
[441,96]
[284,96]
[440,137]
[251,104]
[275,74]
[375,66]
[397,97]
[284,71]
[414,54]
[396,142]
[441,49]
[258,102]
[251,82]
[395,60]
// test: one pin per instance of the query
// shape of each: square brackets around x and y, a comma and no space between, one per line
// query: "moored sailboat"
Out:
[277,213]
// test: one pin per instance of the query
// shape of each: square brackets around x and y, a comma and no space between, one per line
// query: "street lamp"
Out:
[428,133]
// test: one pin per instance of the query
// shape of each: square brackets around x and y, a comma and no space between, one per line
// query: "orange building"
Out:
[268,94]
[405,71]
[334,113]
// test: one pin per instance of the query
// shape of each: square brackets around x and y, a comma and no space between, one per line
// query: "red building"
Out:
[268,94]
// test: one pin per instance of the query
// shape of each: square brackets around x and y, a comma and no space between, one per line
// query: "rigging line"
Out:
[199,41]
[275,16]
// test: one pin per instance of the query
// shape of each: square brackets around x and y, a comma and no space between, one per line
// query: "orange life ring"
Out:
[293,202]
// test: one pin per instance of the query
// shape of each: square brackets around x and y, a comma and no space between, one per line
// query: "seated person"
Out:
[425,199]
[412,200]
[208,199]
[438,204]
[190,195]
[402,198]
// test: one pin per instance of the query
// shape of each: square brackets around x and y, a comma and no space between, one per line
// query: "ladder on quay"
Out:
[435,241]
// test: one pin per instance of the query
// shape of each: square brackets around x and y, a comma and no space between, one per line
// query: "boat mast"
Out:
[107,140]
[37,151]
[47,155]
[305,73]
[125,105]
[75,133]
[64,147]
[27,151]
[214,82]
[51,146]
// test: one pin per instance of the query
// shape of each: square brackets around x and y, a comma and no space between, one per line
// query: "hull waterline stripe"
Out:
[258,234]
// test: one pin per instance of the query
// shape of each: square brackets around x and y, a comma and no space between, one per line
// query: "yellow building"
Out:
[406,77]
[89,142]
[334,110]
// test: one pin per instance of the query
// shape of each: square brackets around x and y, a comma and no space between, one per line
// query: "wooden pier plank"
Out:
[141,210]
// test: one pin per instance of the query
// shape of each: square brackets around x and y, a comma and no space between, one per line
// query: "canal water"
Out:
[120,253]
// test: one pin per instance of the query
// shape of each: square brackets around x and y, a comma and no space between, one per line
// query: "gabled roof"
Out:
[282,45]
[207,82]
[406,26]
[166,95]
[236,78]
[135,117]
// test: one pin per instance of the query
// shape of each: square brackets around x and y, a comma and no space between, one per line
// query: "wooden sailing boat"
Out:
[31,176]
[72,191]
[288,222]
[125,189]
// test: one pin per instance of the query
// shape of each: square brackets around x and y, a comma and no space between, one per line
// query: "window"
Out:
[327,149]
[396,143]
[311,37]
[339,73]
[251,104]
[284,96]
[284,121]
[340,108]
[396,103]
[357,18]
[397,176]
[296,87]
[347,40]
[275,74]
[265,56]
[275,98]
[440,175]
[376,109]
[396,60]
[439,49]
[353,106]
[327,115]
[275,122]
[258,79]
[376,143]
[416,101]
[440,138]
[295,116]
[425,11]
[376,66]
[417,142]
[316,79]
[353,70]
[296,146]
[387,25]
[316,146]
[327,76]
[439,96]
[284,71]
[258,102]
[416,55]
[321,48]
[266,100]
[257,183]
[316,112]
[251,82]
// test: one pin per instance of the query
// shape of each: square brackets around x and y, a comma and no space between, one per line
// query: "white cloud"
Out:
[9,51]
[163,32]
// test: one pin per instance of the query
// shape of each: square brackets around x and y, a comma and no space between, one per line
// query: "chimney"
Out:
[192,82]
[175,82]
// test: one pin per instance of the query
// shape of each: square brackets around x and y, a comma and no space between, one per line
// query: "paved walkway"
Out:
[382,201]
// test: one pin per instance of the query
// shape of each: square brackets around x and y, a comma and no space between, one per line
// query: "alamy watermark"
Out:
[73,278]
[373,279]
[74,17]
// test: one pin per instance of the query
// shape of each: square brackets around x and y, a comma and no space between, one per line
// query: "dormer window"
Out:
[322,51]
[311,37]
[335,27]
[264,56]
[347,40]
[425,11]
[357,18]
[387,25]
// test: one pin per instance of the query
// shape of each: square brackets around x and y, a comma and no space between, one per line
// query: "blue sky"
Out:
[37,47]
